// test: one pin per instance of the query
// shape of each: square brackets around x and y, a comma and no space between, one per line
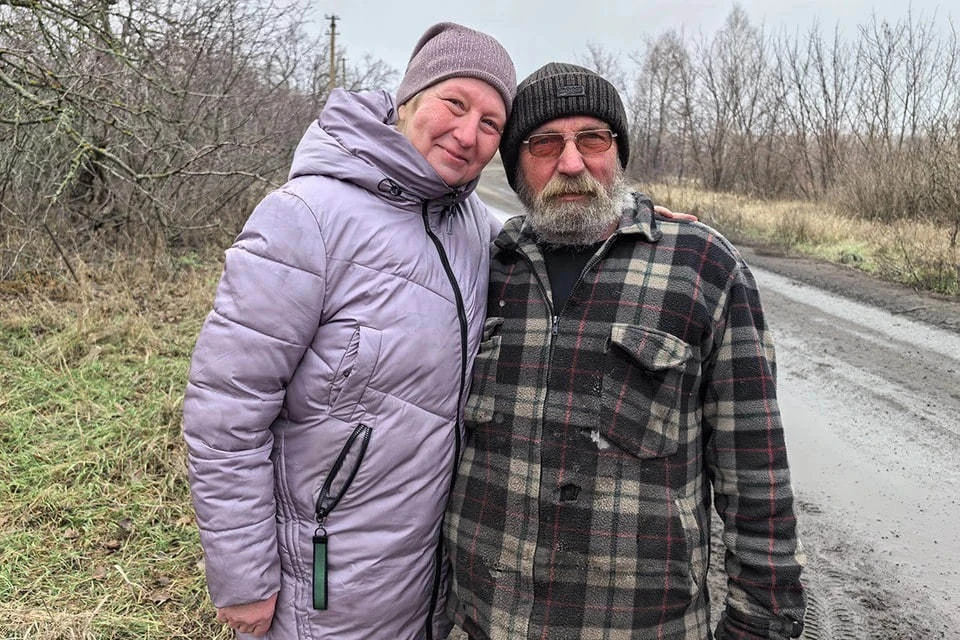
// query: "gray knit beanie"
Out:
[448,50]
[559,90]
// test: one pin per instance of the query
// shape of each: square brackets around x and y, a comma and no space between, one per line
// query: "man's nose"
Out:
[570,161]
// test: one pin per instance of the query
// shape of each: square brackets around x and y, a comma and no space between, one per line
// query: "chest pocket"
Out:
[642,389]
[351,378]
[480,404]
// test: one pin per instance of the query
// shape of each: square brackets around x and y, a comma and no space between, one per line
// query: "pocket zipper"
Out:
[325,504]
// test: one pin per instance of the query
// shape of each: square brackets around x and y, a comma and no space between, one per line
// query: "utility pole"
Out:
[333,51]
[343,71]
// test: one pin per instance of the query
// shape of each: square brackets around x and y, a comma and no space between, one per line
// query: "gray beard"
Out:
[557,223]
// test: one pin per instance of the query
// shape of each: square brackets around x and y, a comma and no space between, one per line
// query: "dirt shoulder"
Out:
[940,311]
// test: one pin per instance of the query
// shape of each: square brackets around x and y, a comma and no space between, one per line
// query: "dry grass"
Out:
[916,252]
[98,535]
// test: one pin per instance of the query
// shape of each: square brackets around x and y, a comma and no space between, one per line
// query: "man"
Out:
[625,381]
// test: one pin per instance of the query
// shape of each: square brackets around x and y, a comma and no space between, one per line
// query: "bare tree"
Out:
[907,90]
[734,103]
[870,123]
[817,79]
[657,107]
[148,123]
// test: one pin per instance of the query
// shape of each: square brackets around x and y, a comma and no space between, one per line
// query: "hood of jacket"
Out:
[356,140]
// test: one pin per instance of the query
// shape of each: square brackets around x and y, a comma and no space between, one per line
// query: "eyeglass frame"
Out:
[575,136]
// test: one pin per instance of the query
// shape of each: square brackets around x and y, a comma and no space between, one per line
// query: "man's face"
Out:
[456,125]
[571,199]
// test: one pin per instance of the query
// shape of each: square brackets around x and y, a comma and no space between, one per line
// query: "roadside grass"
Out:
[97,537]
[913,251]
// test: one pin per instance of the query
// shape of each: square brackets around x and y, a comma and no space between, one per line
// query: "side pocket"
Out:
[697,553]
[483,386]
[357,365]
[642,389]
[343,471]
[335,486]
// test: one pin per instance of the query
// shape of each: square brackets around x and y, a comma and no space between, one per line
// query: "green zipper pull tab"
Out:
[320,569]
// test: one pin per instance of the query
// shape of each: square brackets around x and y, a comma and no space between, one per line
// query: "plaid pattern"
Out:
[581,508]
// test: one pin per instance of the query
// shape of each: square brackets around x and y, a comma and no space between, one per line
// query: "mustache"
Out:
[582,184]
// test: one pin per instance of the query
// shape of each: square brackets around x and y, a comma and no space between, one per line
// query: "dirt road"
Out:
[869,385]
[871,406]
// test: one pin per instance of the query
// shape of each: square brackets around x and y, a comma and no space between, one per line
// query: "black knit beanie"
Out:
[559,90]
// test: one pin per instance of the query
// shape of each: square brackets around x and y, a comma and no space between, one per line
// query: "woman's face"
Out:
[456,125]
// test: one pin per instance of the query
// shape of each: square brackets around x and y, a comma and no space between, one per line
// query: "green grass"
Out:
[98,536]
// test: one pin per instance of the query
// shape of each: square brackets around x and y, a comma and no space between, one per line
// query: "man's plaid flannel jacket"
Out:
[597,435]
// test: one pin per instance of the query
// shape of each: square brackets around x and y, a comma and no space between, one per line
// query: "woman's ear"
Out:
[402,116]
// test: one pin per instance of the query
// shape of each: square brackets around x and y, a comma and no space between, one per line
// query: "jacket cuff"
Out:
[735,625]
[242,565]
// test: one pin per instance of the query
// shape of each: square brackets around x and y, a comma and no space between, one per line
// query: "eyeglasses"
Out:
[550,145]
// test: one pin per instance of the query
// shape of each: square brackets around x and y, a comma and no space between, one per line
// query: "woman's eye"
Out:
[491,126]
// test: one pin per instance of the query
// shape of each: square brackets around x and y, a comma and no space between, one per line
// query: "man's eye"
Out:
[542,143]
[458,104]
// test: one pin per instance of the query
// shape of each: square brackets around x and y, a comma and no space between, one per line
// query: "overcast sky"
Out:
[538,31]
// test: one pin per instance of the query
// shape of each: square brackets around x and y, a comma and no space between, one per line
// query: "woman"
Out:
[323,412]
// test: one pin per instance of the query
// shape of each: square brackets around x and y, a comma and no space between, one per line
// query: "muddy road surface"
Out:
[871,408]
[869,386]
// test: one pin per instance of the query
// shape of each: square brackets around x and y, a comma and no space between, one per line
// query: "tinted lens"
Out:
[594,141]
[550,145]
[546,144]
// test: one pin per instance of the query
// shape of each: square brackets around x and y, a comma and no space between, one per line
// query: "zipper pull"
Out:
[556,328]
[326,501]
[320,569]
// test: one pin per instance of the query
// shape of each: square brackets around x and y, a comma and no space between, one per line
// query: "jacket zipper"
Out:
[462,315]
[326,502]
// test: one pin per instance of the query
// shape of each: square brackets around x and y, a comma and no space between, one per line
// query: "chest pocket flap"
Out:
[642,389]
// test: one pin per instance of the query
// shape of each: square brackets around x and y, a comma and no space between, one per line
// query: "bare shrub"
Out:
[147,126]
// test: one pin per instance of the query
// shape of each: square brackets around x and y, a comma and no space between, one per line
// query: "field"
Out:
[98,533]
[915,252]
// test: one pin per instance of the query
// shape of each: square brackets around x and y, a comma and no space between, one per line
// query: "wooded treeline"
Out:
[154,126]
[871,121]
